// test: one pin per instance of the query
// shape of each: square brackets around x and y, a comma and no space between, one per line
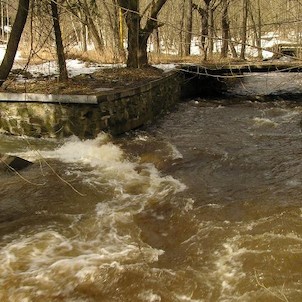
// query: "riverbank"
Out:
[90,81]
[104,100]
[115,100]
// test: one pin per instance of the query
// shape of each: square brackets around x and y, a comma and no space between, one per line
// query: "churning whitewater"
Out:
[53,261]
[204,205]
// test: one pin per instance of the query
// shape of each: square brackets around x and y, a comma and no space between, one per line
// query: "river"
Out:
[203,205]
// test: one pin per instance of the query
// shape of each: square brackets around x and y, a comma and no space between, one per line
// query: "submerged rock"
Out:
[11,163]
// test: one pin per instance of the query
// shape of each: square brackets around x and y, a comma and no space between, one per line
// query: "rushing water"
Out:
[205,205]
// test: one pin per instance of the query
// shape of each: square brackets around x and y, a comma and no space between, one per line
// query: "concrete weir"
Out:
[116,111]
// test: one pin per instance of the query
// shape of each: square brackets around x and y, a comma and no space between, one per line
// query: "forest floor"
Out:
[84,83]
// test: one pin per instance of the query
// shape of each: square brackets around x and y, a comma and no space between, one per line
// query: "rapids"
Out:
[203,205]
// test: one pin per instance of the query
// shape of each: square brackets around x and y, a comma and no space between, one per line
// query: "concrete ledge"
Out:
[47,98]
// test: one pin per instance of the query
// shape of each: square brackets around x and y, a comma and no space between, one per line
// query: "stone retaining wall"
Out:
[85,116]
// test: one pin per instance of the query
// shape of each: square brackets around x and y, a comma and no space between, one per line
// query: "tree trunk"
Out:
[137,36]
[156,41]
[2,20]
[181,30]
[257,35]
[120,28]
[188,34]
[116,26]
[84,32]
[260,56]
[232,47]
[14,39]
[95,35]
[225,29]
[75,30]
[63,76]
[204,14]
[244,29]
[204,31]
[88,10]
[211,31]
[133,23]
[145,32]
[142,51]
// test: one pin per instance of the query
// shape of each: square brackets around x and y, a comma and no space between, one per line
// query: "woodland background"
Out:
[139,32]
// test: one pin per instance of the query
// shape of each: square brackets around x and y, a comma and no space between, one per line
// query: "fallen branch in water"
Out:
[280,295]
[56,174]
[23,178]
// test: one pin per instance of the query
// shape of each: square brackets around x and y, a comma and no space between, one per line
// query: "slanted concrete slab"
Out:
[11,163]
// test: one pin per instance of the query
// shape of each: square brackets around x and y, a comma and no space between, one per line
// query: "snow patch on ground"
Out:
[3,50]
[75,67]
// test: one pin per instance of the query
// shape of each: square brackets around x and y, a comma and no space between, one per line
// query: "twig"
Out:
[23,178]
[56,174]
[281,295]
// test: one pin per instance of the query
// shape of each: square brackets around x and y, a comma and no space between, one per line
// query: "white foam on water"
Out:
[109,161]
[229,265]
[293,183]
[141,137]
[189,205]
[50,263]
[184,298]
[291,115]
[214,205]
[240,250]
[176,154]
[264,122]
[96,152]
[149,296]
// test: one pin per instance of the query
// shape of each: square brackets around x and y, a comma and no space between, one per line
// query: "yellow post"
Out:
[121,28]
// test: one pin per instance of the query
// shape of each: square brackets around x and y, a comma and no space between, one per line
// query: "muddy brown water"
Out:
[204,205]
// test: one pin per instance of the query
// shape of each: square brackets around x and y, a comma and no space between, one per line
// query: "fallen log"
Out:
[13,163]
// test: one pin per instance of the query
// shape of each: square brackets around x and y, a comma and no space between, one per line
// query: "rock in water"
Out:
[10,162]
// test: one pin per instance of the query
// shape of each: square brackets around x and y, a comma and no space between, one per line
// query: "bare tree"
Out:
[244,28]
[89,10]
[212,8]
[188,33]
[14,39]
[138,35]
[257,31]
[181,29]
[63,76]
[204,14]
[115,21]
[225,28]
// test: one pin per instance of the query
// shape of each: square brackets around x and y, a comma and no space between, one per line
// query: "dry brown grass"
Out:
[49,54]
[115,78]
[108,56]
[156,58]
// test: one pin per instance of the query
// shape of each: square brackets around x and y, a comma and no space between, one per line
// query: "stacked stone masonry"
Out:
[62,116]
